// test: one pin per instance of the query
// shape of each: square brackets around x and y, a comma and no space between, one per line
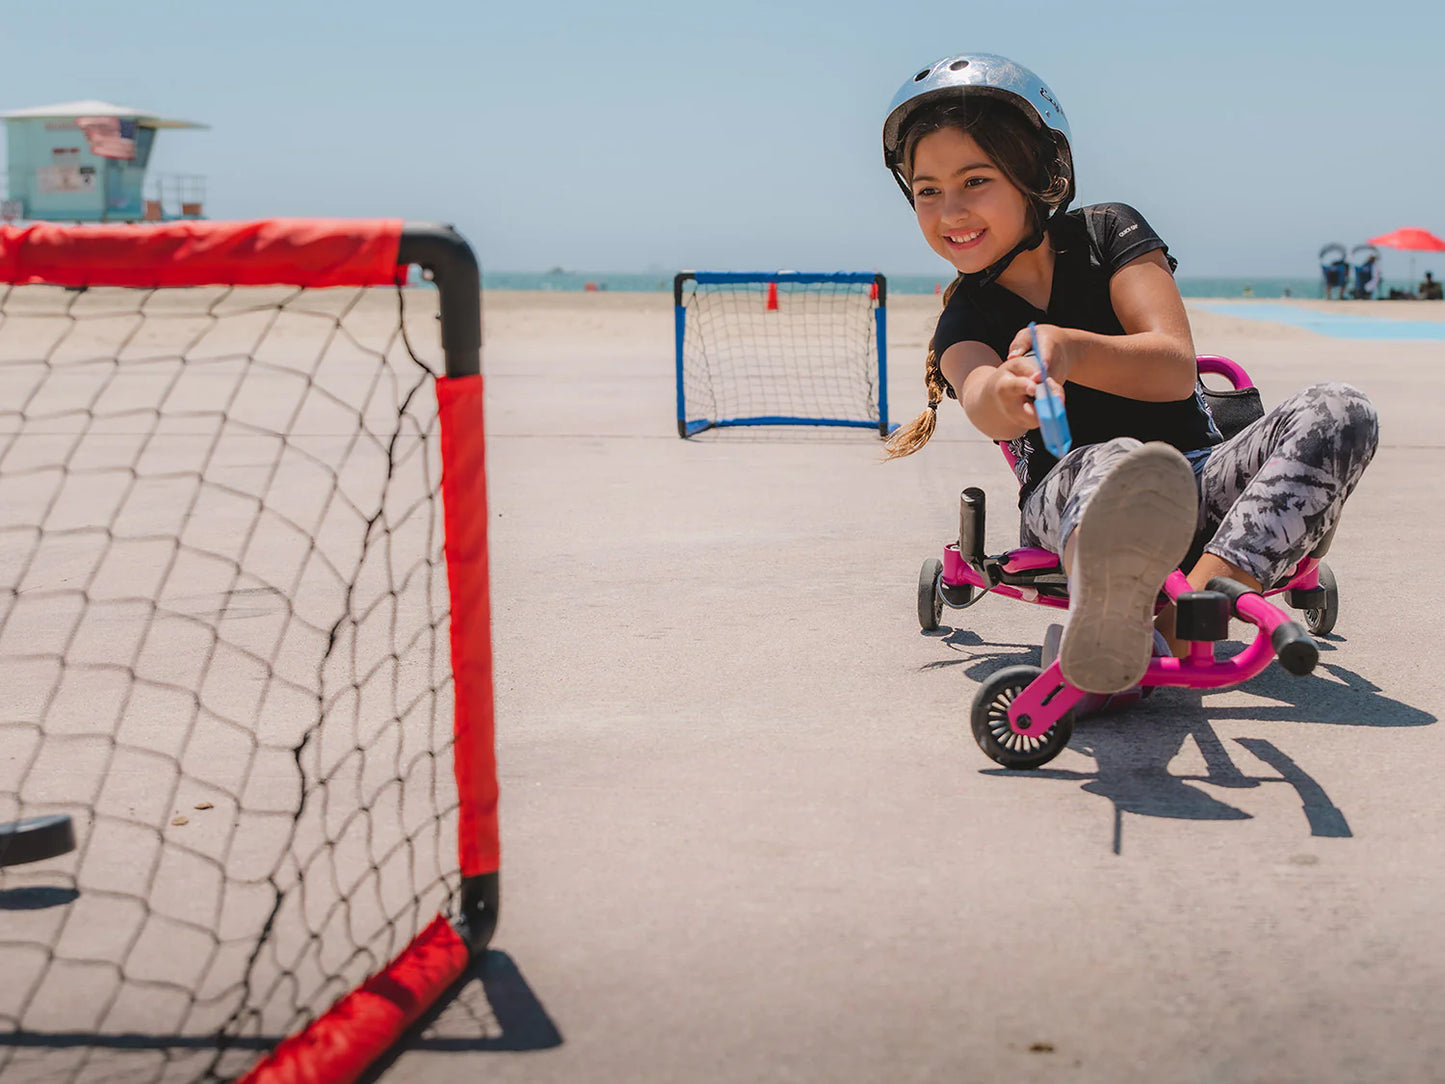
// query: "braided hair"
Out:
[909,438]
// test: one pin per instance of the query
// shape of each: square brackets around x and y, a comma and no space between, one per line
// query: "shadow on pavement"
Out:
[978,665]
[1133,755]
[490,1008]
[36,897]
[1134,749]
[1358,701]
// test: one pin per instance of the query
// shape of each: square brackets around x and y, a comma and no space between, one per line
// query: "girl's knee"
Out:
[1354,414]
[1345,411]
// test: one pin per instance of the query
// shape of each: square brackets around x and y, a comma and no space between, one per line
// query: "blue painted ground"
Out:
[1336,325]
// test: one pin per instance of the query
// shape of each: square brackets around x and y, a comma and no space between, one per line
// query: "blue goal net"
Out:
[781,348]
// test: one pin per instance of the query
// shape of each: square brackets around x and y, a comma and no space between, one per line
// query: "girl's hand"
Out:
[1016,385]
[1055,343]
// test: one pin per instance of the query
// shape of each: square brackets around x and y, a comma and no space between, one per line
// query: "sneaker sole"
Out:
[1135,531]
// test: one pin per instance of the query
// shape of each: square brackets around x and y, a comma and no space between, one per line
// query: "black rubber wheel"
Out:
[991,726]
[1322,621]
[930,603]
[36,839]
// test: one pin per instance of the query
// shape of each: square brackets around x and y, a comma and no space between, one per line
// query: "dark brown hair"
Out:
[1029,159]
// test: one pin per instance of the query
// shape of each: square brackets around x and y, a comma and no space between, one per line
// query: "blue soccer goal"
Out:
[781,348]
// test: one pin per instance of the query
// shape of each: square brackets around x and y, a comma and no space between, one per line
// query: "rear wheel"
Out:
[1322,620]
[930,603]
[997,738]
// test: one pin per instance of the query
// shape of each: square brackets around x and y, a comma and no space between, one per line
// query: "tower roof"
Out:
[98,109]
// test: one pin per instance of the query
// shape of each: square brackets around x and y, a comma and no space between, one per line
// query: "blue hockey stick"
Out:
[1053,422]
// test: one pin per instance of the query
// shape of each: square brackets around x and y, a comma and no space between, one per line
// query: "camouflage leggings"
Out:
[1268,495]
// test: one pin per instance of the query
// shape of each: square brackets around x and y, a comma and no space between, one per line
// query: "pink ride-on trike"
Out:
[1023,715]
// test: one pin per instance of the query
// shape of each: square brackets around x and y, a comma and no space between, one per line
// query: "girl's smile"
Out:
[963,241]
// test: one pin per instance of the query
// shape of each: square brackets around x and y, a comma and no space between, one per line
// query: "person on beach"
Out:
[983,153]
[1367,279]
[1335,274]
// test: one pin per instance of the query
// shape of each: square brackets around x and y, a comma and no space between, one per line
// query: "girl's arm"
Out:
[997,395]
[1153,360]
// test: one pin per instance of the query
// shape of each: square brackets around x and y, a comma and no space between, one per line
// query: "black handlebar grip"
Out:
[1297,652]
[1230,589]
[971,512]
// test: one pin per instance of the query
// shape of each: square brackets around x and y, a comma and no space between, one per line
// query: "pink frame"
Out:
[1048,697]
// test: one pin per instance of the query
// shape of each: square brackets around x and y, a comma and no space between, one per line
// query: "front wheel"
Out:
[1322,621]
[991,729]
[930,602]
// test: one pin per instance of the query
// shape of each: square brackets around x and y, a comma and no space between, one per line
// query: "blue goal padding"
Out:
[708,277]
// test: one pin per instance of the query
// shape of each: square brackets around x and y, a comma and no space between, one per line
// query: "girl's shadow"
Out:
[1350,700]
[978,658]
[1133,749]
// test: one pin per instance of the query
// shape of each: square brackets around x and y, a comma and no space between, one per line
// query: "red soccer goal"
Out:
[248,795]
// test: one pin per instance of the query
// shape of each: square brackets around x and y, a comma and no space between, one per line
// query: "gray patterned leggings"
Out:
[1268,494]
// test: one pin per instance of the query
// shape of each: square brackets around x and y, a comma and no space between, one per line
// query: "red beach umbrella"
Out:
[1411,238]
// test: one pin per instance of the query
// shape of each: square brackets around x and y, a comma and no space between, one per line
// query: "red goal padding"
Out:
[311,252]
[362,1026]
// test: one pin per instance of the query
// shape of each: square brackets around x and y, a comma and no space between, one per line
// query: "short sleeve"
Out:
[1120,234]
[964,320]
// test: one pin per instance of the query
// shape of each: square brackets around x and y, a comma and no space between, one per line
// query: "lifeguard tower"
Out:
[86,162]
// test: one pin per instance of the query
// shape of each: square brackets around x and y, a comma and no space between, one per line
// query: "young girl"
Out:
[981,149]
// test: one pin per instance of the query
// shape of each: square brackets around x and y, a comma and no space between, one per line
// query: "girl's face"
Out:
[969,211]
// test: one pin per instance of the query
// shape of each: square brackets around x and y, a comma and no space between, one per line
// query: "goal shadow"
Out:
[490,1008]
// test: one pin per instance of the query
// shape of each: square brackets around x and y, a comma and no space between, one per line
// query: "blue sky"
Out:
[745,134]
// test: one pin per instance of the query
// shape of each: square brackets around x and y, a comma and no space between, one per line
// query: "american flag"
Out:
[109,137]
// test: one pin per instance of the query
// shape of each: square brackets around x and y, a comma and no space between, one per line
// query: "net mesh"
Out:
[223,630]
[811,358]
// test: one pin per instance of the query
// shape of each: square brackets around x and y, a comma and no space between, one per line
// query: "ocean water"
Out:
[654,282]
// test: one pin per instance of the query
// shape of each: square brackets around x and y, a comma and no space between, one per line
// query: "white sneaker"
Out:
[1135,530]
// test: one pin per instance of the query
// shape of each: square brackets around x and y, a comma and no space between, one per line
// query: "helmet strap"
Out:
[903,185]
[989,275]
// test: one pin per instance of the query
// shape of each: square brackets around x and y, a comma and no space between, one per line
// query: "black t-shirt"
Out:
[1091,244]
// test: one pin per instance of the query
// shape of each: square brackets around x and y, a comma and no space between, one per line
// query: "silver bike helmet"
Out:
[984,75]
